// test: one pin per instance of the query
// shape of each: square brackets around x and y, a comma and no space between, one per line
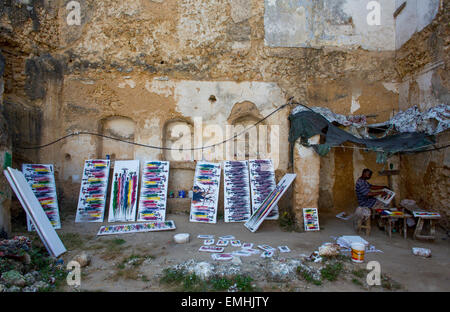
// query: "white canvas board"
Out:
[271,200]
[262,182]
[34,210]
[388,198]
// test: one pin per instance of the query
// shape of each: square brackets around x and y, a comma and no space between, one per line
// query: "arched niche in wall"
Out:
[119,127]
[178,133]
[243,116]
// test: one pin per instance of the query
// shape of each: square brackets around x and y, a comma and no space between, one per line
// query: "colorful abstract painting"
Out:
[311,219]
[205,192]
[269,203]
[137,228]
[153,196]
[124,191]
[237,204]
[262,182]
[387,198]
[93,192]
[41,178]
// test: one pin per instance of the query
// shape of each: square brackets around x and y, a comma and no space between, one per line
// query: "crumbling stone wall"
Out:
[5,161]
[423,64]
[154,62]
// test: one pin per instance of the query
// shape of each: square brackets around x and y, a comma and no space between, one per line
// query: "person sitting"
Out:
[366,193]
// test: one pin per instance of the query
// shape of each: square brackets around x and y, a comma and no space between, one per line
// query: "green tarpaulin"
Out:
[306,124]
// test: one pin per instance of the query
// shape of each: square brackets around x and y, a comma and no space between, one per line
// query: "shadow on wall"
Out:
[120,127]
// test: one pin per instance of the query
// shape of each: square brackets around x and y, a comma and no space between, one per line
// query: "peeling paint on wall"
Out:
[321,23]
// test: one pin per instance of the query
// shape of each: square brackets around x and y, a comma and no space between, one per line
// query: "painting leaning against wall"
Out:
[153,196]
[237,204]
[94,186]
[41,179]
[124,191]
[205,192]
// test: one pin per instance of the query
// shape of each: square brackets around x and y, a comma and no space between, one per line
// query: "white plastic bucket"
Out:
[182,238]
[358,251]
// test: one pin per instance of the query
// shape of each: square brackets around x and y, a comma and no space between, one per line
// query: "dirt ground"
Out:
[111,256]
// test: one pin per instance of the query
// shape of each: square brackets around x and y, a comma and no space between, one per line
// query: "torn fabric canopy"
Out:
[307,123]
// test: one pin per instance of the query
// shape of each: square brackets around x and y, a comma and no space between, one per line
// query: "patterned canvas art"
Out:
[205,192]
[262,181]
[41,179]
[93,192]
[137,228]
[237,204]
[311,219]
[153,196]
[124,191]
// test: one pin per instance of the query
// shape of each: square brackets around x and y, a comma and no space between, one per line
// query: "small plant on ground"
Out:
[307,276]
[357,282]
[243,283]
[47,269]
[287,221]
[331,271]
[388,283]
[191,282]
[359,273]
[221,283]
[72,240]
[172,276]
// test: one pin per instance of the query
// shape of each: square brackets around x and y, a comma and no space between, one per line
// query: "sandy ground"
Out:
[411,272]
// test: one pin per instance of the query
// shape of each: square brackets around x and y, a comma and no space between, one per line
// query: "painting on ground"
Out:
[311,219]
[205,192]
[151,226]
[124,191]
[237,204]
[41,178]
[153,196]
[93,191]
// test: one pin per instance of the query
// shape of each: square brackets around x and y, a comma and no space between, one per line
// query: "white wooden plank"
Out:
[34,210]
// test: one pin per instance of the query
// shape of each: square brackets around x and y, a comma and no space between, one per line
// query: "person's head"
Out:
[366,174]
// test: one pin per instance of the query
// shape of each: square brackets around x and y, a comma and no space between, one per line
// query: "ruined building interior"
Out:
[140,70]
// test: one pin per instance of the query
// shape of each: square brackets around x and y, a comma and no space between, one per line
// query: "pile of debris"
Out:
[27,268]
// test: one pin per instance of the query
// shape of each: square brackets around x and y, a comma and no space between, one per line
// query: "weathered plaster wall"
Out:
[414,17]
[338,23]
[423,63]
[306,190]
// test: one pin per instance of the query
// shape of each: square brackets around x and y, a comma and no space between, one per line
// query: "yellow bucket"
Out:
[358,251]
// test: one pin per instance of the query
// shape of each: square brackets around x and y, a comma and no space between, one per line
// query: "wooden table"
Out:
[391,218]
[420,224]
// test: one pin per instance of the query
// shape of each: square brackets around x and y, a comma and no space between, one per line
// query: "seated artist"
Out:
[366,193]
